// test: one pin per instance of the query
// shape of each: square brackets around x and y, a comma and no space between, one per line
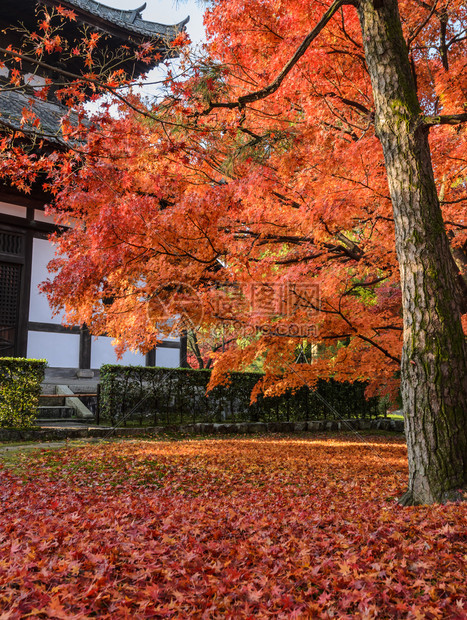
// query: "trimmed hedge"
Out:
[178,396]
[20,387]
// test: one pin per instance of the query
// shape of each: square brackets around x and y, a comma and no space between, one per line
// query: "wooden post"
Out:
[98,406]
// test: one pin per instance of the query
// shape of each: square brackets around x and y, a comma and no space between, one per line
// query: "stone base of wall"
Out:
[241,428]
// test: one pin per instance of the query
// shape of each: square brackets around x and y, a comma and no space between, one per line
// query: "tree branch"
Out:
[421,26]
[380,348]
[86,80]
[457,39]
[366,284]
[426,6]
[193,343]
[453,202]
[354,104]
[450,119]
[273,86]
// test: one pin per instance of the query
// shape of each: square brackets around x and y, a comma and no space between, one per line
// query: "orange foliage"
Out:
[267,528]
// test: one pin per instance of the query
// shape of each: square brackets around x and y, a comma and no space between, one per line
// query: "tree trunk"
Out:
[434,357]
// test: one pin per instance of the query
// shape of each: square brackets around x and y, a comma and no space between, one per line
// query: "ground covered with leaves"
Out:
[235,528]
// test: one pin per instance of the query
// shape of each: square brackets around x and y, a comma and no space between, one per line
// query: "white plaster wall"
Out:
[102,352]
[169,358]
[39,309]
[15,210]
[60,350]
[40,216]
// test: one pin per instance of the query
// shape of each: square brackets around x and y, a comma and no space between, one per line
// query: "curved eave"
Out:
[125,25]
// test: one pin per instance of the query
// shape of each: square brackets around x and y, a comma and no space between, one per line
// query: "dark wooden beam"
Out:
[84,348]
[38,199]
[22,342]
[151,358]
[184,350]
[167,344]
[40,227]
[52,328]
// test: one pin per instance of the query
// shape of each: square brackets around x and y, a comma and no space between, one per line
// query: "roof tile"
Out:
[129,19]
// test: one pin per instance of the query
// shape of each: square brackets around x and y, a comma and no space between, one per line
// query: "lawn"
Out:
[269,527]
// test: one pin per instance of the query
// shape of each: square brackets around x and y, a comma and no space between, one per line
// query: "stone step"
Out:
[54,412]
[51,401]
[79,402]
[84,387]
[71,422]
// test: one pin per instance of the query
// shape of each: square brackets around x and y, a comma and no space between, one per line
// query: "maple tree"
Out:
[201,345]
[251,527]
[308,185]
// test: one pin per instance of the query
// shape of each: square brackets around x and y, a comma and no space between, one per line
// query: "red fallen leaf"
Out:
[56,610]
[324,598]
[276,542]
[15,546]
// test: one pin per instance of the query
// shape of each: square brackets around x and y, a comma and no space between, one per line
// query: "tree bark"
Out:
[434,358]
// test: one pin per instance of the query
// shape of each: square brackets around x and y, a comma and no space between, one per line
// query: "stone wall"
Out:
[244,428]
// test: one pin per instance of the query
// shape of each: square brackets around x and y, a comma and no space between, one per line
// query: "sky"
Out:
[168,12]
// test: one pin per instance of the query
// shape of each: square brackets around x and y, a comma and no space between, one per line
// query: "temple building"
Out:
[27,327]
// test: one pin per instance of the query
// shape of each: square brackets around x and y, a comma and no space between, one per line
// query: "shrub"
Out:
[20,387]
[178,396]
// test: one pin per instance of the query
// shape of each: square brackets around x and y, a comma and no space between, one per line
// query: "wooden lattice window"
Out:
[11,243]
[10,287]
